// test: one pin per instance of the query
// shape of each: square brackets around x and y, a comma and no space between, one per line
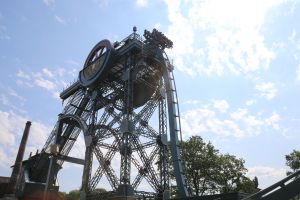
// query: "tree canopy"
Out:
[293,161]
[75,194]
[210,172]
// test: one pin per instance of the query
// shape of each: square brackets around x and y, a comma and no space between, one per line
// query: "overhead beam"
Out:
[71,159]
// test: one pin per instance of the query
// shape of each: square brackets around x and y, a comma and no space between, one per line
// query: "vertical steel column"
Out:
[14,178]
[49,178]
[127,129]
[164,172]
[86,172]
[54,150]
[87,169]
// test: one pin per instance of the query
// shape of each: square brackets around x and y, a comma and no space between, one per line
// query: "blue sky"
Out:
[237,69]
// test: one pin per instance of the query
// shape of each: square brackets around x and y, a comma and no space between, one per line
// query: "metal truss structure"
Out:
[125,104]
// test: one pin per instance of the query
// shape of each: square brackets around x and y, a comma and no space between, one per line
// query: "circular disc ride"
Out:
[125,104]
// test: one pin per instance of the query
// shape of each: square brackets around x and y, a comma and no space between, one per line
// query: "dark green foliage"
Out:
[75,194]
[209,172]
[99,190]
[201,159]
[246,185]
[231,172]
[293,161]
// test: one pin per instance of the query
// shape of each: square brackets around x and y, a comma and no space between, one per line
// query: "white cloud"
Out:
[72,62]
[59,19]
[214,36]
[3,33]
[9,127]
[191,102]
[292,37]
[7,98]
[5,161]
[157,25]
[61,71]
[255,123]
[22,74]
[13,93]
[23,83]
[101,3]
[49,2]
[250,102]
[239,123]
[265,171]
[273,121]
[221,105]
[141,3]
[46,84]
[267,90]
[39,133]
[239,114]
[12,127]
[49,79]
[298,73]
[48,73]
[266,175]
[4,99]
[199,121]
[56,95]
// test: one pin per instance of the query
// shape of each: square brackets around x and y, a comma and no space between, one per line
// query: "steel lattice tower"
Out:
[125,103]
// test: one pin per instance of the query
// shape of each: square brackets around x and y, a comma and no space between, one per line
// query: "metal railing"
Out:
[277,186]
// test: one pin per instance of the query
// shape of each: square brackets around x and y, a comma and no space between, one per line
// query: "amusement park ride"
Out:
[125,105]
[122,88]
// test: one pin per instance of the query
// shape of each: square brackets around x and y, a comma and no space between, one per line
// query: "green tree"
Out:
[201,159]
[73,195]
[231,172]
[247,185]
[100,190]
[209,172]
[293,161]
